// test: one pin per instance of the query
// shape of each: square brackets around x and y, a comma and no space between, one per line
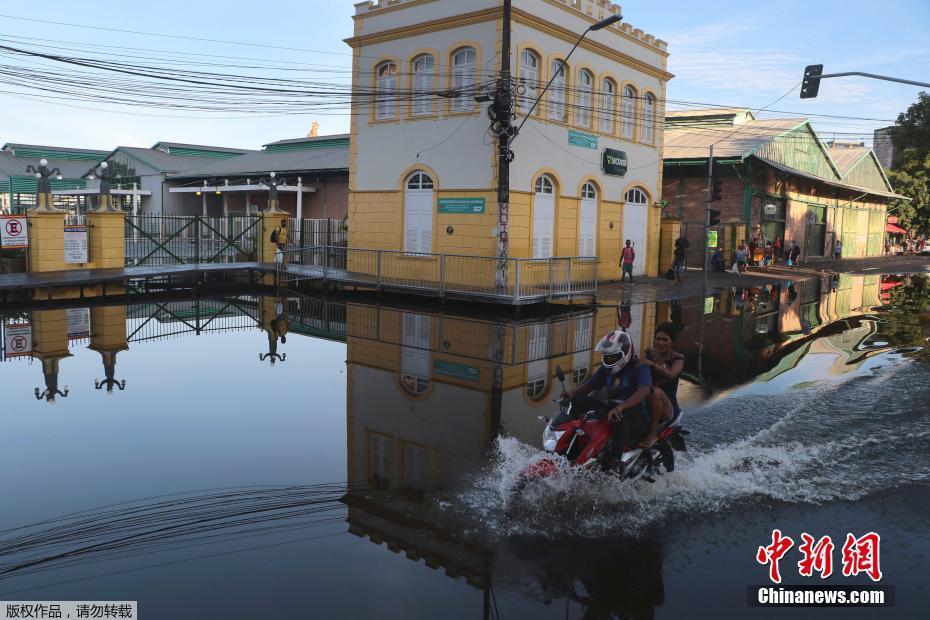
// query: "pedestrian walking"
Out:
[279,238]
[838,249]
[768,256]
[741,258]
[683,242]
[628,257]
[679,263]
[794,254]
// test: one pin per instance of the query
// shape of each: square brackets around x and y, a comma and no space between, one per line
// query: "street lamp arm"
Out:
[874,76]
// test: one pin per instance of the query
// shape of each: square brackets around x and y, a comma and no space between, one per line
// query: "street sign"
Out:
[17,339]
[580,138]
[78,322]
[614,162]
[712,238]
[75,244]
[461,205]
[13,232]
[456,371]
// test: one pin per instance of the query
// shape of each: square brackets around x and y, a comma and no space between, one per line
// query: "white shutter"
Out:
[587,232]
[537,351]
[423,83]
[529,77]
[416,339]
[544,212]
[411,222]
[426,221]
[582,349]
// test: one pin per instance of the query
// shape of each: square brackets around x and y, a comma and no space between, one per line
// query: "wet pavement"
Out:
[312,456]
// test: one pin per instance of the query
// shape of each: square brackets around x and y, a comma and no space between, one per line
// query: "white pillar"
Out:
[226,201]
[300,210]
[203,198]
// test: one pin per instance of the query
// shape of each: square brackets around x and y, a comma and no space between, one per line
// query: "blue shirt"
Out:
[622,385]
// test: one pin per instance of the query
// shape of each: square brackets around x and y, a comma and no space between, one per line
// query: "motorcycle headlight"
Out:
[550,439]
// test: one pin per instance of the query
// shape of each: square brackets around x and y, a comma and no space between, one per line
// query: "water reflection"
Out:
[427,394]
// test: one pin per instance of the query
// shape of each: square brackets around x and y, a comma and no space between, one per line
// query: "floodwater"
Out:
[322,457]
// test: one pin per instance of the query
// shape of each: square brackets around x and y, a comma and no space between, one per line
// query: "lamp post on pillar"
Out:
[44,201]
[106,175]
[272,184]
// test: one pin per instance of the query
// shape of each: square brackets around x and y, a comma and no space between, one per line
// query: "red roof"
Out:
[895,230]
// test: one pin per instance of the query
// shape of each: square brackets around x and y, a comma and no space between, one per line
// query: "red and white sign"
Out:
[13,232]
[17,339]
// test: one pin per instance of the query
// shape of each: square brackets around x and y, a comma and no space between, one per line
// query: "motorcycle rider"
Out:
[628,387]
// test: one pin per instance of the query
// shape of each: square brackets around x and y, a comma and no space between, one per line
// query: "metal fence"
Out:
[159,321]
[173,240]
[321,232]
[480,277]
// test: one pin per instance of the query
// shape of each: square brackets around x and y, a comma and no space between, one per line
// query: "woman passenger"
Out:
[666,365]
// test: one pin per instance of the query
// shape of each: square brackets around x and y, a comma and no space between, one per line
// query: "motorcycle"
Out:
[580,434]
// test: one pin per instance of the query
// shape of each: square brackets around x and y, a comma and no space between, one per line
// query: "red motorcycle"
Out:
[580,434]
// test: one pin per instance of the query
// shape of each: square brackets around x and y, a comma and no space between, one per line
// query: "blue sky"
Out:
[724,52]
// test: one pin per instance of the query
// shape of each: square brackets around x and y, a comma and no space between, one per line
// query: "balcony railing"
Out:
[505,280]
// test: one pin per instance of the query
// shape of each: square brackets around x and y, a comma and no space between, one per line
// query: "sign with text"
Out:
[75,244]
[614,162]
[712,238]
[13,232]
[17,339]
[457,371]
[461,205]
[582,139]
[78,322]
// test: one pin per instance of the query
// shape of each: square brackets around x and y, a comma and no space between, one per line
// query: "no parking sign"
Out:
[17,339]
[13,232]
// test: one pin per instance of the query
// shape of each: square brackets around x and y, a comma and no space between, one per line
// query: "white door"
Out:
[418,213]
[634,227]
[543,217]
[587,221]
[537,362]
[581,357]
[414,362]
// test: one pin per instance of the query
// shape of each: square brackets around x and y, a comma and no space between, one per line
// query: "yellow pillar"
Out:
[272,317]
[107,243]
[108,337]
[50,345]
[46,240]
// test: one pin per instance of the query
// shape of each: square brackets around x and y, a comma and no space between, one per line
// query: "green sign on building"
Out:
[580,138]
[461,205]
[457,371]
[712,238]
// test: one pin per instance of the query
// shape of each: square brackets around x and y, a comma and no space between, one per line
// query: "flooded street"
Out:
[358,459]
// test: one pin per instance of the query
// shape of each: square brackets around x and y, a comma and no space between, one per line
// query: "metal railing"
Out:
[319,232]
[462,276]
[176,239]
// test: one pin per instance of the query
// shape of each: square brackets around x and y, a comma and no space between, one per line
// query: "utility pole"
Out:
[502,116]
[710,202]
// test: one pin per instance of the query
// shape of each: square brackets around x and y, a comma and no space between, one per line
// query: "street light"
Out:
[613,19]
[44,186]
[810,83]
[106,174]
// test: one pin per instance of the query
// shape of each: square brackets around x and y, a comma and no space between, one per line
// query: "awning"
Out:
[887,286]
[894,230]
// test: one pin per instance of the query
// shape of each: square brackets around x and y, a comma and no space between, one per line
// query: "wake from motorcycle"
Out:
[814,443]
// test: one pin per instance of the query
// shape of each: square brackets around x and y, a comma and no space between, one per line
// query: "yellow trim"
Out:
[608,75]
[556,199]
[577,88]
[540,76]
[570,36]
[417,53]
[457,47]
[655,105]
[566,103]
[636,95]
[373,112]
[436,25]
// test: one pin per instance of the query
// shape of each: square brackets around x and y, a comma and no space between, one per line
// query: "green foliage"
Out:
[910,175]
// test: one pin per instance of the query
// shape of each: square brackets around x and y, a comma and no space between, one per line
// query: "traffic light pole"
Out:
[710,201]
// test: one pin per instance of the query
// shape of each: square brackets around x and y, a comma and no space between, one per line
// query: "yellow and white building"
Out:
[423,161]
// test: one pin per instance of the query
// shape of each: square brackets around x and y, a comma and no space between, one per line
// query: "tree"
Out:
[910,174]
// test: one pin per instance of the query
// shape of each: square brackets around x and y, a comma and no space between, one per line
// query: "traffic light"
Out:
[810,85]
[713,217]
[716,188]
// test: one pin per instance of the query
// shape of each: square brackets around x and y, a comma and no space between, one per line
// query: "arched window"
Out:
[424,72]
[464,67]
[557,91]
[649,110]
[543,217]
[529,79]
[628,120]
[587,220]
[637,196]
[418,213]
[387,85]
[585,98]
[608,105]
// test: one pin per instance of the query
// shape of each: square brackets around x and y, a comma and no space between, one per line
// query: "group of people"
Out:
[755,254]
[908,245]
[641,391]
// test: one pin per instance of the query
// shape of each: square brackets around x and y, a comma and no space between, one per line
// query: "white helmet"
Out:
[616,349]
